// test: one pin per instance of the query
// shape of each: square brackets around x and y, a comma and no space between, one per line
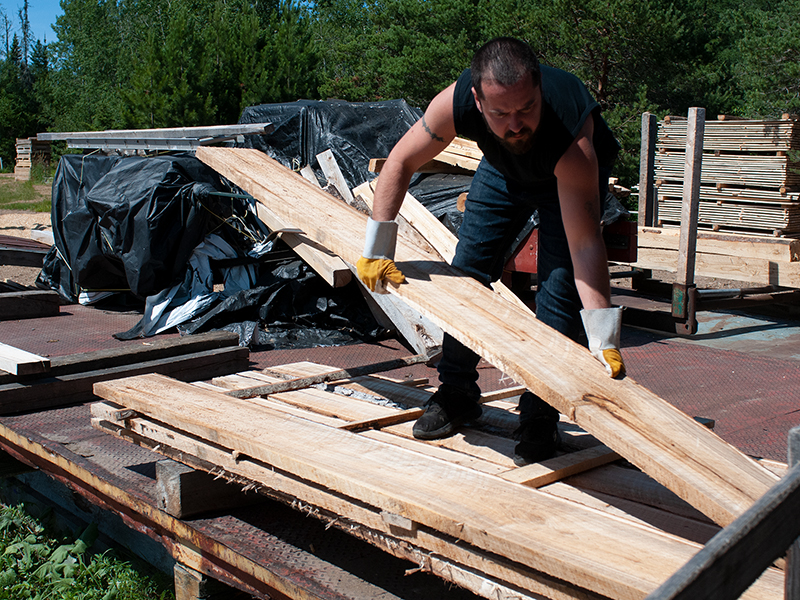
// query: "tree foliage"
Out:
[151,63]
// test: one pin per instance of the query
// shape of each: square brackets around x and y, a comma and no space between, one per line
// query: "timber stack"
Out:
[29,150]
[458,507]
[750,180]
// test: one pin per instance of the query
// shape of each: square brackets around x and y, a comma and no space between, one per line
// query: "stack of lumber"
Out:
[456,507]
[749,183]
[406,490]
[27,150]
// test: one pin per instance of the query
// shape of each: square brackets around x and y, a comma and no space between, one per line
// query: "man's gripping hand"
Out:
[376,266]
[603,326]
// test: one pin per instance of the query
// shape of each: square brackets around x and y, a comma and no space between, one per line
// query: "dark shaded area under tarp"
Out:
[139,224]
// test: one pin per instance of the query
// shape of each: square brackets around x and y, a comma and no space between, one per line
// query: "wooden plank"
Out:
[29,304]
[334,175]
[712,476]
[432,166]
[647,205]
[184,492]
[708,242]
[738,554]
[137,351]
[752,270]
[326,264]
[554,469]
[691,198]
[50,392]
[425,548]
[434,232]
[19,362]
[613,557]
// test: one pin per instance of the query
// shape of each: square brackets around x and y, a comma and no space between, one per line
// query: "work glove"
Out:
[603,326]
[376,265]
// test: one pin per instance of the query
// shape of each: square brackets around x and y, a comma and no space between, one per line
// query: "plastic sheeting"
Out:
[126,223]
[354,131]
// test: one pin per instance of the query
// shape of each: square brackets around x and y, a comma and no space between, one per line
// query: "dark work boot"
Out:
[446,410]
[537,432]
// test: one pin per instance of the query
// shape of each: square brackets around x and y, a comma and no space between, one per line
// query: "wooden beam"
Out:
[334,175]
[324,262]
[29,304]
[691,196]
[554,469]
[745,246]
[50,392]
[612,557]
[738,554]
[647,204]
[137,351]
[712,476]
[184,492]
[19,362]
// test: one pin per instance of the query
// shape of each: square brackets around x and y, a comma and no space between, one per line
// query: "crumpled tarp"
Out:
[126,223]
[354,131]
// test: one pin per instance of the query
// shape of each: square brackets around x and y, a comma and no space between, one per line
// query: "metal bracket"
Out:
[684,308]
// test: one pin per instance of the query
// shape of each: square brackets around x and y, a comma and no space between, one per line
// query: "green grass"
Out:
[24,195]
[35,564]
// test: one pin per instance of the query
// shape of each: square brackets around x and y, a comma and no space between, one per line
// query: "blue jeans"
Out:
[495,213]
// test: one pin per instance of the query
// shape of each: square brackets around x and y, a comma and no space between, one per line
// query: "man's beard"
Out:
[518,145]
[515,146]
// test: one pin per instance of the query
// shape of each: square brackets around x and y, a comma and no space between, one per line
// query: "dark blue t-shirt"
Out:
[566,106]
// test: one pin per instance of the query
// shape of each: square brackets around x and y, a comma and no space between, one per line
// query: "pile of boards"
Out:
[464,509]
[750,181]
[456,507]
[29,149]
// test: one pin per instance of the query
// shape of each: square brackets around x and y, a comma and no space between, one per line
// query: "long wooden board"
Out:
[607,555]
[658,438]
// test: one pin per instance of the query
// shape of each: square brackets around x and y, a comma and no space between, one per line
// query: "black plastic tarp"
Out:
[354,131]
[125,223]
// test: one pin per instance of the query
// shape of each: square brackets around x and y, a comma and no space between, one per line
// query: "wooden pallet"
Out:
[460,500]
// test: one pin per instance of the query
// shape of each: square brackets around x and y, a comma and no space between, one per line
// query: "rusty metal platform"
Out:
[746,383]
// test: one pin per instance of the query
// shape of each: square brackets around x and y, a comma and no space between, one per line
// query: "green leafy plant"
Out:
[36,566]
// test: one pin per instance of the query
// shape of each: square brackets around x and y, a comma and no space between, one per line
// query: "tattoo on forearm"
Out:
[431,133]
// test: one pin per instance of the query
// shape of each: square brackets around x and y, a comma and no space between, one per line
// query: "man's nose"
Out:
[515,123]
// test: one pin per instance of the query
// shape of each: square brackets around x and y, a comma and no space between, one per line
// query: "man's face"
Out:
[512,113]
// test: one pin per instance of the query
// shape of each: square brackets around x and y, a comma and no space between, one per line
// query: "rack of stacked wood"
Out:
[750,180]
[30,150]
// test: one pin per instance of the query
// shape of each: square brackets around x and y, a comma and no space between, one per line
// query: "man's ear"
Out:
[477,100]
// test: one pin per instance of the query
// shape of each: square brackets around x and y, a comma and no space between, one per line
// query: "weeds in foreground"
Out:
[37,567]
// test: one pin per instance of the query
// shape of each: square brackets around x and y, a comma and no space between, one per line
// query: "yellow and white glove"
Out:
[603,327]
[376,265]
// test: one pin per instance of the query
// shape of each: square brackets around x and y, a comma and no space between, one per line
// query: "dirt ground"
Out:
[19,223]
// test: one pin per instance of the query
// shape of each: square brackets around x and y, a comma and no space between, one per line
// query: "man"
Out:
[545,147]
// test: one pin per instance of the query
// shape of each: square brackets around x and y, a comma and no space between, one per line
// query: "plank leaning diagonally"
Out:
[661,440]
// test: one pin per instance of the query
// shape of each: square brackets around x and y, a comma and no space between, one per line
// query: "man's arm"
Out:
[426,139]
[578,192]
[579,197]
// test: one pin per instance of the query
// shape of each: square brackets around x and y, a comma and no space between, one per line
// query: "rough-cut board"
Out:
[29,304]
[661,440]
[49,392]
[19,362]
[774,249]
[757,271]
[604,554]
